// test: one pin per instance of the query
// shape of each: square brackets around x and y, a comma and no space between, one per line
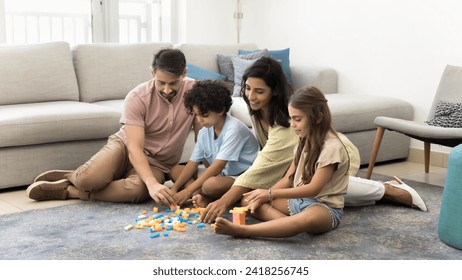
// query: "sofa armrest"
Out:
[323,78]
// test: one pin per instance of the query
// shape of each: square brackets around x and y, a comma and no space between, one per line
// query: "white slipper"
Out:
[417,201]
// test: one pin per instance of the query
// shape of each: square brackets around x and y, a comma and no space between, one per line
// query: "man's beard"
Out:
[170,96]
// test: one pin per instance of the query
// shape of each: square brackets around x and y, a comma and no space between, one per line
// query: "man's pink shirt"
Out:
[166,124]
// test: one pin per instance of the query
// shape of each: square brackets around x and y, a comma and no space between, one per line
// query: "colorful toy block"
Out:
[177,220]
[239,215]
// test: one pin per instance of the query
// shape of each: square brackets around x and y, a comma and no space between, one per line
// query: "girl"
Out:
[310,198]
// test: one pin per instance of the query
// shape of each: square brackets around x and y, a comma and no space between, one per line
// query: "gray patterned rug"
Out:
[95,231]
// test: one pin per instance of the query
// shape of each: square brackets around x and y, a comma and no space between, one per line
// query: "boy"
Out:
[225,145]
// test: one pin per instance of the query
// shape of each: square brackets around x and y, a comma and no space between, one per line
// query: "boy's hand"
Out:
[181,197]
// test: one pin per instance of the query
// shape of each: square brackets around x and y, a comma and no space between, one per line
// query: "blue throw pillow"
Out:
[280,55]
[198,73]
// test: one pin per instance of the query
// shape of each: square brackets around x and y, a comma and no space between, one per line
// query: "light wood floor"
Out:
[15,200]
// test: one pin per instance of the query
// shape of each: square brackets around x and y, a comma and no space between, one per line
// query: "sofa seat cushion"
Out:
[50,122]
[116,104]
[355,112]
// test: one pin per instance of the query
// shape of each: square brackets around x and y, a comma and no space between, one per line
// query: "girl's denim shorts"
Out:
[297,205]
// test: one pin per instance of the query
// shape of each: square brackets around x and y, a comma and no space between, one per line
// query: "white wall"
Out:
[207,21]
[396,48]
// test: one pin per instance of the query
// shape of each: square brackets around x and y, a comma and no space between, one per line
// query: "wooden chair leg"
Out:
[427,156]
[375,150]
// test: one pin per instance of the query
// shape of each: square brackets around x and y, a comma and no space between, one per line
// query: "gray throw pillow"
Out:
[225,64]
[240,65]
[447,114]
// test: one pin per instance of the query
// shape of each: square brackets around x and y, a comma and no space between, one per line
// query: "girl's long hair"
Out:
[313,103]
[270,71]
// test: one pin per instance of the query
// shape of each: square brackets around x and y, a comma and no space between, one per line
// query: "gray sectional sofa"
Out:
[58,104]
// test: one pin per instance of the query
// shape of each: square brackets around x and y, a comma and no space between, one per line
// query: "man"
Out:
[136,160]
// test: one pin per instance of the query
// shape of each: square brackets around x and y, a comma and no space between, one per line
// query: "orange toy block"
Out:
[197,210]
[239,215]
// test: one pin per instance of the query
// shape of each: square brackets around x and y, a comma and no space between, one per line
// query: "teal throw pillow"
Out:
[198,73]
[280,55]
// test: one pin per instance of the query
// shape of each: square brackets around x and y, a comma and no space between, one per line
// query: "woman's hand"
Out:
[260,195]
[212,211]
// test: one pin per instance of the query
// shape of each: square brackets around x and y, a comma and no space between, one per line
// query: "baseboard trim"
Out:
[439,159]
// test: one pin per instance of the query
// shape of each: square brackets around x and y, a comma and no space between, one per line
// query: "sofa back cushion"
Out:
[37,73]
[107,71]
[205,55]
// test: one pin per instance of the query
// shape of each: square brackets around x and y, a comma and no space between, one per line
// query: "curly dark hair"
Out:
[209,96]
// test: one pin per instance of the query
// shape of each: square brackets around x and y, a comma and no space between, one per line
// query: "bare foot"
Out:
[223,226]
[200,201]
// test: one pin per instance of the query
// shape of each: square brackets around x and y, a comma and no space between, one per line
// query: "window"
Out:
[139,21]
[80,21]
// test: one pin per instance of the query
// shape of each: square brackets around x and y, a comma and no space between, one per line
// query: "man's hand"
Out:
[161,194]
